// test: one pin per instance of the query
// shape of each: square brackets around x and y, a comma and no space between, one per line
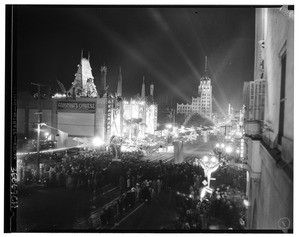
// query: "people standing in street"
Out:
[122,184]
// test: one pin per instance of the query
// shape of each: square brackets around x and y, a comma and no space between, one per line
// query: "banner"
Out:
[78,106]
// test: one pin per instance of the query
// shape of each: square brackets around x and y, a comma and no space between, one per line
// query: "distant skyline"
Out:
[167,45]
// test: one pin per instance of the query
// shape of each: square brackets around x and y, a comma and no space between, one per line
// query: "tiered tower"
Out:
[205,93]
[83,85]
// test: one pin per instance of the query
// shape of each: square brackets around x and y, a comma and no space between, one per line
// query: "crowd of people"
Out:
[224,205]
[78,170]
[139,180]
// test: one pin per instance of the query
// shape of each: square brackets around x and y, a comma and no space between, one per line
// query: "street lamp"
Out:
[209,164]
[219,149]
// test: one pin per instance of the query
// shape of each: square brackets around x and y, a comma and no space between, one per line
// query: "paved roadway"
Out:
[189,151]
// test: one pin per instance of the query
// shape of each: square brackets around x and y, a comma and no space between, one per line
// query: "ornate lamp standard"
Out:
[209,164]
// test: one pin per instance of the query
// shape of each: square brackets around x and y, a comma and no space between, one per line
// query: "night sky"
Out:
[166,45]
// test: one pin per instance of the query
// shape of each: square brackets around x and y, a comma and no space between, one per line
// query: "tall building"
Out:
[270,156]
[205,93]
[202,104]
[184,109]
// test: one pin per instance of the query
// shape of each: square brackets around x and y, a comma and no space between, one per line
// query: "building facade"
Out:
[143,110]
[202,104]
[270,156]
[254,100]
[79,112]
[205,92]
[81,117]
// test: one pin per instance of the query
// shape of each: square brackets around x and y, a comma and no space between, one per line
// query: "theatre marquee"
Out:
[76,106]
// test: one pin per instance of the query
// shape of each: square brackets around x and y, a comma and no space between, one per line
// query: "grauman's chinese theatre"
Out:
[75,113]
[82,111]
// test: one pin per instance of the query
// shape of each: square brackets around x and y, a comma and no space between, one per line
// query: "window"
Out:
[282,98]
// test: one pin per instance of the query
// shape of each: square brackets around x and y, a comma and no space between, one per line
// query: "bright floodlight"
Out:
[46,134]
[238,151]
[205,158]
[97,141]
[169,125]
[222,145]
[228,149]
[218,145]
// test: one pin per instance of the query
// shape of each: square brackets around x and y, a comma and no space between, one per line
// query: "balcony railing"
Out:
[280,163]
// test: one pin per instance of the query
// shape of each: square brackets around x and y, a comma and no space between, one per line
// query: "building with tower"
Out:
[76,113]
[202,104]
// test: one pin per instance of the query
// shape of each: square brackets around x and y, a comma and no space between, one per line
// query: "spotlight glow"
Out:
[97,141]
[228,149]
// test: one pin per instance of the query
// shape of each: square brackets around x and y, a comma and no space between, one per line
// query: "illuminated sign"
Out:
[135,111]
[84,106]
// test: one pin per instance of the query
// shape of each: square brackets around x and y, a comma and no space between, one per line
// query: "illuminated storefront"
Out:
[143,113]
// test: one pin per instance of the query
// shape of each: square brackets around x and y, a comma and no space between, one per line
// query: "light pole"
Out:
[209,164]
